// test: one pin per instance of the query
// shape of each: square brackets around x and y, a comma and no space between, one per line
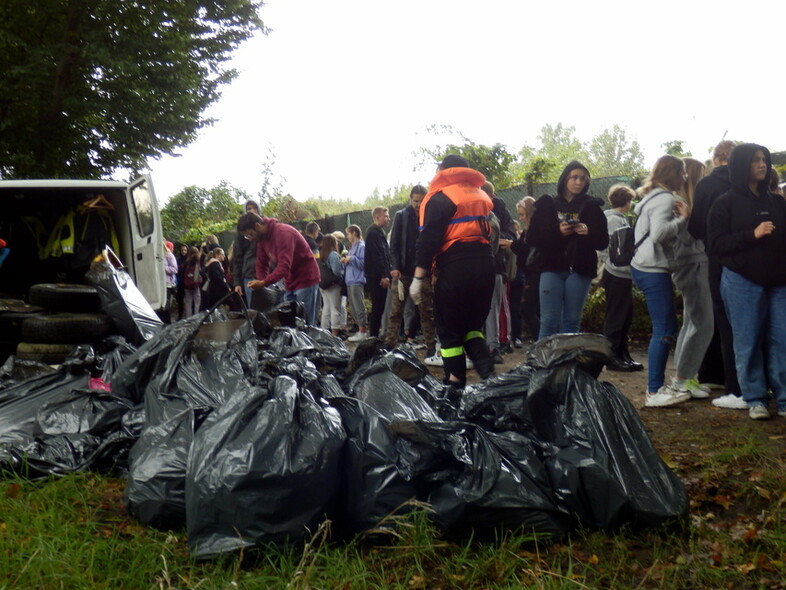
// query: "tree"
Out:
[493,161]
[88,87]
[610,154]
[675,148]
[196,212]
[558,146]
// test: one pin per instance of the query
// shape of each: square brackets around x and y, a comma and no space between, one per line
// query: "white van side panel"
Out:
[147,238]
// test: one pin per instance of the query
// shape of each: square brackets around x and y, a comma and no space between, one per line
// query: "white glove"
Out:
[414,291]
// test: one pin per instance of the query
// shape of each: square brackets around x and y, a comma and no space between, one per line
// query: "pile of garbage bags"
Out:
[245,431]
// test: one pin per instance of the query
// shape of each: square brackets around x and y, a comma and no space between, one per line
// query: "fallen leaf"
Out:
[746,568]
[593,559]
[764,493]
[750,535]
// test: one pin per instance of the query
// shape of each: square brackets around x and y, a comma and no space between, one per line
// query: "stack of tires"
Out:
[57,318]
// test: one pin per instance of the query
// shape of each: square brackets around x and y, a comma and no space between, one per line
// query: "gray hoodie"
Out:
[655,214]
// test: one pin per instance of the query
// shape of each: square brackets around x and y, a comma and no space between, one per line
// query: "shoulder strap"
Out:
[647,200]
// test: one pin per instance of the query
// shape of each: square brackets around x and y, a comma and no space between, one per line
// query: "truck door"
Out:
[147,265]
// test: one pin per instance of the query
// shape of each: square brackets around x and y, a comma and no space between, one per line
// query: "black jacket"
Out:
[377,261]
[244,263]
[707,190]
[735,215]
[403,238]
[572,253]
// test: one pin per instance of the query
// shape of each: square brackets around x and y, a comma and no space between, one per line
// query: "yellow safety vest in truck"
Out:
[44,223]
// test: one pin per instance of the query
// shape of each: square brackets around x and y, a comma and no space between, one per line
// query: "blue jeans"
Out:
[247,291]
[659,294]
[308,297]
[758,323]
[562,297]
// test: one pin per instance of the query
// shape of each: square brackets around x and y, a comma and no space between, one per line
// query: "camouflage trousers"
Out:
[426,310]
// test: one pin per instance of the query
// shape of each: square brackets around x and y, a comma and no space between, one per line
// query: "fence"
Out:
[599,187]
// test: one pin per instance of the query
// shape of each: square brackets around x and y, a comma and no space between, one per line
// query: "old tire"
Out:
[50,354]
[67,328]
[65,297]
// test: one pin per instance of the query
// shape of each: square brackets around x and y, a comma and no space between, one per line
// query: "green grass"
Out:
[73,532]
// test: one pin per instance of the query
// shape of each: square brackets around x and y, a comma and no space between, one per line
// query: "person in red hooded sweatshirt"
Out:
[454,243]
[284,246]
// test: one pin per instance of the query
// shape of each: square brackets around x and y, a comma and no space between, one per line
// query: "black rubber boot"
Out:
[479,353]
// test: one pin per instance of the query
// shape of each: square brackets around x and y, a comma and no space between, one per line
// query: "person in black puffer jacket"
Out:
[567,230]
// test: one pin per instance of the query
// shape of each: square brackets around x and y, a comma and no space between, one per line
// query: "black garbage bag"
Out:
[156,490]
[112,352]
[288,342]
[266,298]
[154,364]
[332,350]
[401,362]
[16,370]
[590,351]
[601,462]
[20,403]
[263,468]
[479,483]
[83,411]
[372,488]
[389,395]
[65,453]
[499,404]
[121,300]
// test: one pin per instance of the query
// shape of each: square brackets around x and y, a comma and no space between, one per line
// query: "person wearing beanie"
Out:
[454,243]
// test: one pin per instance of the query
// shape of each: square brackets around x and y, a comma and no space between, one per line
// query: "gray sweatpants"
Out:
[357,303]
[697,320]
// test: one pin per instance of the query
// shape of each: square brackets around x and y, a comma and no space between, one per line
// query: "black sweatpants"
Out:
[619,311]
[712,365]
[378,295]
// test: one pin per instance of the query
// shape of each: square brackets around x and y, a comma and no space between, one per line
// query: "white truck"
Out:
[54,228]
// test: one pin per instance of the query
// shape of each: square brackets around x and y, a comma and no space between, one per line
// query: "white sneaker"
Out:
[696,389]
[666,396]
[730,402]
[435,360]
[357,337]
[759,412]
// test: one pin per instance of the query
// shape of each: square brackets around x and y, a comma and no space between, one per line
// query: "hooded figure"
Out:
[746,230]
[567,231]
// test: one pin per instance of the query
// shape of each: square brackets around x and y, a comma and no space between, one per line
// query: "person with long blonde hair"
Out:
[660,217]
[690,276]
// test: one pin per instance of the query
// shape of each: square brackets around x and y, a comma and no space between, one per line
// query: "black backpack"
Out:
[621,244]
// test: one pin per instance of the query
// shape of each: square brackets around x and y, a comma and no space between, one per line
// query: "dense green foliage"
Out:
[88,87]
[195,212]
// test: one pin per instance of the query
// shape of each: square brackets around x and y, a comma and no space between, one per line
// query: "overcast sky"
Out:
[341,92]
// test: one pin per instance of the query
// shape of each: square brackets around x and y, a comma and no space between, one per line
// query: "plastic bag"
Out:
[156,490]
[590,351]
[121,300]
[372,488]
[262,469]
[602,464]
[479,483]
